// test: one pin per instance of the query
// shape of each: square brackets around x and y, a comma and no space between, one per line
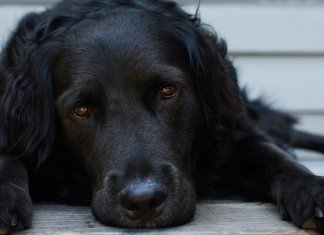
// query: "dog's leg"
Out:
[262,168]
[15,202]
[304,140]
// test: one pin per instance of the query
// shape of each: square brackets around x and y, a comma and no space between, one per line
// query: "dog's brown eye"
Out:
[168,92]
[80,111]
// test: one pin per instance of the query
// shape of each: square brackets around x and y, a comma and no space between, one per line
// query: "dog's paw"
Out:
[15,208]
[302,202]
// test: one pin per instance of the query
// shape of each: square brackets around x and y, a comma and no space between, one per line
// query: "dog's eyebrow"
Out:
[88,88]
[169,73]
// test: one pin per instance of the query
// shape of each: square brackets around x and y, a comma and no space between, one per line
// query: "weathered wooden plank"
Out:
[212,217]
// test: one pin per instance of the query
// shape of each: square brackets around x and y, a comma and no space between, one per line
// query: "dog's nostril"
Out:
[142,200]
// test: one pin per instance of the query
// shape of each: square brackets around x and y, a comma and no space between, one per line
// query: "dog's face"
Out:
[128,111]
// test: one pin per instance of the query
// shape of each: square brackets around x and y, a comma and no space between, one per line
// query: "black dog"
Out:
[133,106]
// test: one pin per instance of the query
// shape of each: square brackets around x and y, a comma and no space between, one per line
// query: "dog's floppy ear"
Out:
[26,99]
[216,78]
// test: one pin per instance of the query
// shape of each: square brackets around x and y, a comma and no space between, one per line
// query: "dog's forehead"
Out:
[119,35]
[122,47]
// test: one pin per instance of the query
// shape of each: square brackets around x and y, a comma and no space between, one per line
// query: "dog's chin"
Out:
[162,221]
[175,211]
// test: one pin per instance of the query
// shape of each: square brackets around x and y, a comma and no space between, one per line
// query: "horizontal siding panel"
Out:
[27,2]
[312,123]
[293,2]
[9,15]
[267,28]
[248,29]
[293,83]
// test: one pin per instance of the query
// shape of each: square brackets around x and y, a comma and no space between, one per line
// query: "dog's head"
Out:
[134,89]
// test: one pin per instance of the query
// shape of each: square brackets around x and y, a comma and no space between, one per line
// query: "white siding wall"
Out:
[10,14]
[278,49]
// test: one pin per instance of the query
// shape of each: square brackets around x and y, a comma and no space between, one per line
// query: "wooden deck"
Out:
[212,217]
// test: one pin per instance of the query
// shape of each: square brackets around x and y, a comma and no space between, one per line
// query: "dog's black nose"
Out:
[143,200]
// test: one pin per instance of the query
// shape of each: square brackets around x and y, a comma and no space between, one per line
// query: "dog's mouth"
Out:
[148,203]
[159,217]
[146,215]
